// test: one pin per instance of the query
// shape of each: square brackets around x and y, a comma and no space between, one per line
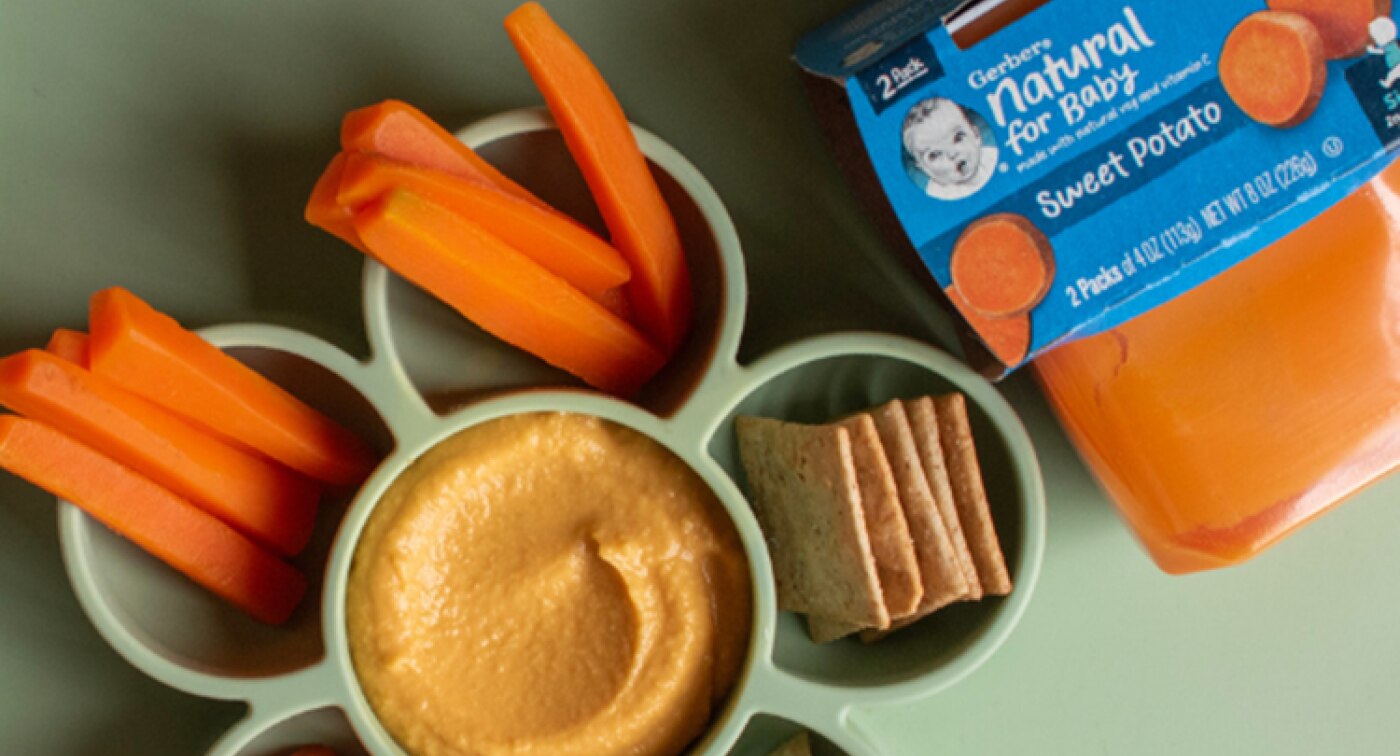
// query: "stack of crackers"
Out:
[876,520]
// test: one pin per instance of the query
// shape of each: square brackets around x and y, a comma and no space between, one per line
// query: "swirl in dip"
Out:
[548,583]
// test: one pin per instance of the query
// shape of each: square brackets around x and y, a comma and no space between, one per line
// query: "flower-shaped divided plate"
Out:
[432,374]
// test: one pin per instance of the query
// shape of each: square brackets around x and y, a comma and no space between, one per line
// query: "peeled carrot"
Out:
[401,132]
[70,345]
[1274,67]
[1343,24]
[268,503]
[148,353]
[325,212]
[1008,338]
[562,247]
[1002,265]
[207,551]
[505,292]
[602,143]
[615,299]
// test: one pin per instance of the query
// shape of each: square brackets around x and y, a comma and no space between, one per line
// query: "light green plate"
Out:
[168,146]
[432,375]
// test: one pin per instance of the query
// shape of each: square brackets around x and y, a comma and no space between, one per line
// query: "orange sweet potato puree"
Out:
[1222,421]
[548,584]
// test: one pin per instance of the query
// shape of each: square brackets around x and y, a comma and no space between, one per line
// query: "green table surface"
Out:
[168,146]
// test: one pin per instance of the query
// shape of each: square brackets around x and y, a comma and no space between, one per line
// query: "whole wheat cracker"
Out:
[923,420]
[806,498]
[896,561]
[943,579]
[955,434]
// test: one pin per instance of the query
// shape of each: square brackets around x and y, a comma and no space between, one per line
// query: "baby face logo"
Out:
[1384,43]
[1374,79]
[949,151]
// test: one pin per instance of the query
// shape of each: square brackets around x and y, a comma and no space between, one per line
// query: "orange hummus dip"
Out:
[548,584]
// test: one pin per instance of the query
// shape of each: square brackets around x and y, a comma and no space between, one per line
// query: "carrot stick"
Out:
[1008,339]
[324,212]
[148,353]
[602,143]
[207,551]
[401,132]
[562,247]
[269,504]
[1274,67]
[1343,24]
[1002,265]
[615,299]
[505,292]
[70,345]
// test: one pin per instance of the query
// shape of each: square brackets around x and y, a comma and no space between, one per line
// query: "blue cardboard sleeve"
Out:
[1102,130]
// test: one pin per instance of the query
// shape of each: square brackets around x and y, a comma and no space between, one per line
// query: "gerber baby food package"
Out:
[1089,161]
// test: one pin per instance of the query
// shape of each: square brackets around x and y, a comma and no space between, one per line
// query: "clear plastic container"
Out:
[1224,420]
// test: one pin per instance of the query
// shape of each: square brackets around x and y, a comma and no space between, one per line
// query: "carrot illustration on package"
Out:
[1343,24]
[206,550]
[1274,66]
[1002,265]
[1008,339]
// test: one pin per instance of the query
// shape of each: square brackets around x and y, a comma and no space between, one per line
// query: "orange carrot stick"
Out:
[401,132]
[70,345]
[1343,24]
[562,247]
[602,143]
[1002,265]
[1274,67]
[505,292]
[325,212]
[148,353]
[269,504]
[209,552]
[615,299]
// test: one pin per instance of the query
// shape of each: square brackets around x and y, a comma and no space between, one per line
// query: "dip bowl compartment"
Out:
[325,726]
[431,374]
[823,379]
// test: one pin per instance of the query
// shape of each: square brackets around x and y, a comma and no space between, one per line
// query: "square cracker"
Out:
[806,498]
[955,434]
[923,420]
[943,578]
[896,561]
[890,541]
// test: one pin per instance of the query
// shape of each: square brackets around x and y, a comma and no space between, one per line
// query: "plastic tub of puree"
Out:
[1225,420]
[431,374]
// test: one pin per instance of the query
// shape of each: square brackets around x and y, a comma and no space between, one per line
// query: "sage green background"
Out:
[169,146]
